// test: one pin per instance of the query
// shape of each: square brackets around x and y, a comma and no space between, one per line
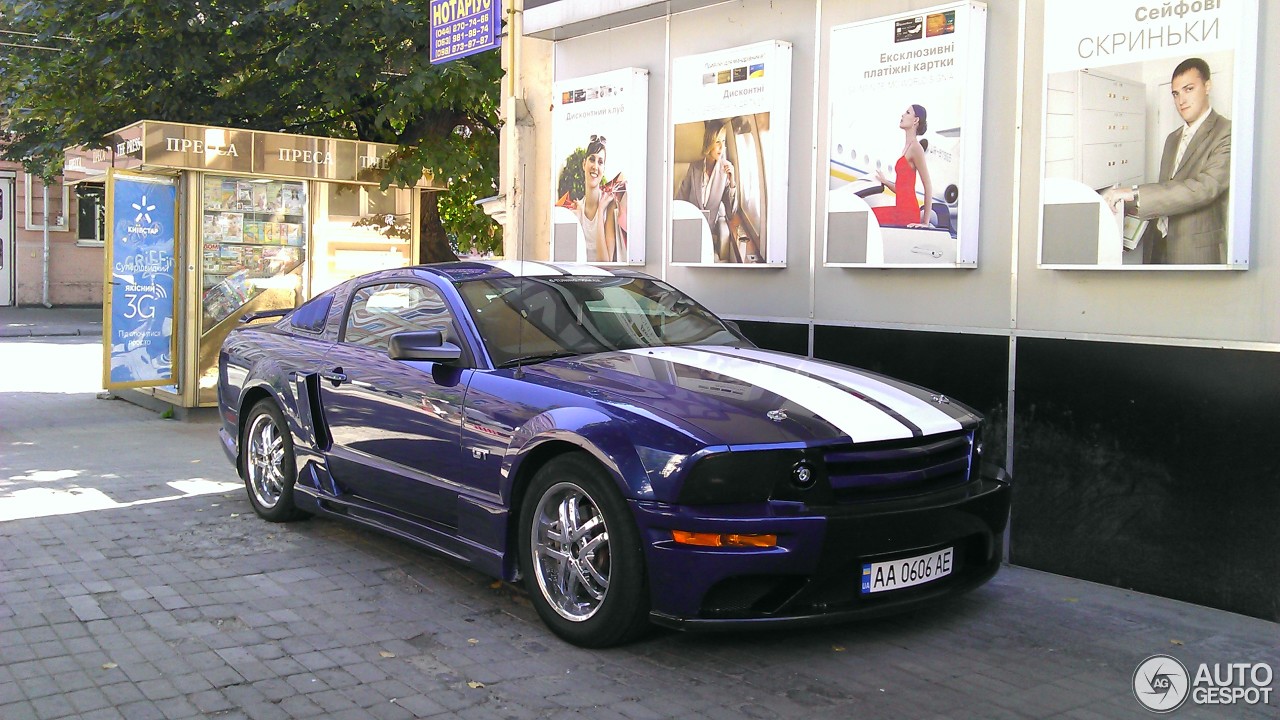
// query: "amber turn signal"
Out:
[723,540]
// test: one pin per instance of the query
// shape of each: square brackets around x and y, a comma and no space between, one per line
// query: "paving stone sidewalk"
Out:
[136,583]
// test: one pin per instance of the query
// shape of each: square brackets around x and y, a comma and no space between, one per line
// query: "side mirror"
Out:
[422,345]
[732,326]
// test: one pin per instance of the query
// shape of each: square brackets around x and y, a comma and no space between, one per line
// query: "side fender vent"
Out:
[311,391]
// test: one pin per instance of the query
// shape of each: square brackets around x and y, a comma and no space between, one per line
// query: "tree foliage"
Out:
[354,69]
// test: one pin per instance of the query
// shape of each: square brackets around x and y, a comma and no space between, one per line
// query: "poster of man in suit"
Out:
[1148,134]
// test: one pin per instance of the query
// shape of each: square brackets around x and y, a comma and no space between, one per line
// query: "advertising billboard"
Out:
[905,139]
[599,147]
[139,302]
[1148,134]
[731,111]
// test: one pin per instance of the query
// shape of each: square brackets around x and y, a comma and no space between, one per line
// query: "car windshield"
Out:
[527,319]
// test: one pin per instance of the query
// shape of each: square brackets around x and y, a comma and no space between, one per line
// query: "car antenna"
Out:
[523,316]
[520,329]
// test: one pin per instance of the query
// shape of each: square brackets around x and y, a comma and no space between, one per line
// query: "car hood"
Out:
[751,396]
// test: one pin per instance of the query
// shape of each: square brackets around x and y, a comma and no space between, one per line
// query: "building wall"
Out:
[75,268]
[1134,408]
[1142,408]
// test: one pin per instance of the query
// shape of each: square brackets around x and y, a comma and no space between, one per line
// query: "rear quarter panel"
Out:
[263,361]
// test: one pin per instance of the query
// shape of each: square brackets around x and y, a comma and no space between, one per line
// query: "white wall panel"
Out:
[964,299]
[1006,292]
[1231,308]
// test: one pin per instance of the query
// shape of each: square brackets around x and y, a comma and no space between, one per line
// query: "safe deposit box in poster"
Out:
[731,111]
[905,138]
[598,151]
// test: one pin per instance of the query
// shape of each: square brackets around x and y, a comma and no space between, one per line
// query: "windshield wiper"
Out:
[536,358]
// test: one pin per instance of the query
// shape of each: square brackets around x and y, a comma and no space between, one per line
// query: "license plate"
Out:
[897,574]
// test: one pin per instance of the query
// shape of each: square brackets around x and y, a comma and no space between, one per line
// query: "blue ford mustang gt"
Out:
[606,439]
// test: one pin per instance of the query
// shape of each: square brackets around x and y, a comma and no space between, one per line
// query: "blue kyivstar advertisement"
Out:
[141,298]
[605,439]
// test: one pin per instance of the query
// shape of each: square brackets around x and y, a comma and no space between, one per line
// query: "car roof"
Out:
[502,269]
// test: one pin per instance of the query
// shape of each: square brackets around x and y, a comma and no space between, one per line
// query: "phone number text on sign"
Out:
[463,27]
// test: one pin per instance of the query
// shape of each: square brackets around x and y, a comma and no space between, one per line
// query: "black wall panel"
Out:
[784,337]
[973,369]
[1146,467]
[1149,467]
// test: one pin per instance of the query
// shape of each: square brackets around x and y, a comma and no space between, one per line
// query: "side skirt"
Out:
[485,559]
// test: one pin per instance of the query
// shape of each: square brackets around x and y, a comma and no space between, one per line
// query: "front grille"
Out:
[898,468]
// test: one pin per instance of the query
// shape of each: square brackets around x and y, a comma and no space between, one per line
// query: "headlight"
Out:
[744,477]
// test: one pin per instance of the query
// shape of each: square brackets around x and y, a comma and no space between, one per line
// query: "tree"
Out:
[354,69]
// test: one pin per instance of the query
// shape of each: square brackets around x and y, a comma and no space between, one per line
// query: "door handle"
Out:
[335,376]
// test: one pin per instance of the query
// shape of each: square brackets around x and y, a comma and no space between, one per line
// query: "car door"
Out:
[395,425]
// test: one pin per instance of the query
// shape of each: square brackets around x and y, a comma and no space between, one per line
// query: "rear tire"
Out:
[268,465]
[581,555]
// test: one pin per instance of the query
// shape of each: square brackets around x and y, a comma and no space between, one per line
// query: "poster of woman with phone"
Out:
[710,184]
[596,179]
[600,208]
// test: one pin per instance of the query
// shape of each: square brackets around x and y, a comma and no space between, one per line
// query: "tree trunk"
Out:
[434,246]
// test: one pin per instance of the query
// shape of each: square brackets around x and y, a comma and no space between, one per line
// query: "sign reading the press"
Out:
[138,347]
[463,27]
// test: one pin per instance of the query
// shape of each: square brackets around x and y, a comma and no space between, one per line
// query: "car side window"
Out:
[379,311]
[312,315]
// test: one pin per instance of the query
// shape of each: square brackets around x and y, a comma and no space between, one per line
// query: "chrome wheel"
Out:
[266,461]
[569,542]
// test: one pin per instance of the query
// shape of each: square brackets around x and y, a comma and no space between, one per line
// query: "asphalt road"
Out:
[136,582]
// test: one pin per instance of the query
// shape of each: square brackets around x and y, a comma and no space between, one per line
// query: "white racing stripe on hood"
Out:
[523,268]
[928,418]
[854,417]
[579,269]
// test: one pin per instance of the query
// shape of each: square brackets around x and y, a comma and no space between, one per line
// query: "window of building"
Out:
[58,196]
[91,214]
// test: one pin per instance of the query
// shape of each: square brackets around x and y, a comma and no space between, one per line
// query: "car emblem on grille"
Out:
[802,475]
[941,399]
[776,415]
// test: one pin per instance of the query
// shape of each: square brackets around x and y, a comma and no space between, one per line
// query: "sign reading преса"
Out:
[463,27]
[139,337]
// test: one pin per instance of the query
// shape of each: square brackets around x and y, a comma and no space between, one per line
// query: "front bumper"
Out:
[813,576]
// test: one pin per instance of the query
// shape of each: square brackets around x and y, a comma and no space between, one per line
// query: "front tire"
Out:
[267,464]
[581,556]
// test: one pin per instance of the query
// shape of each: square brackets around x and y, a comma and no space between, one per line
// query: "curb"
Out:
[28,332]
